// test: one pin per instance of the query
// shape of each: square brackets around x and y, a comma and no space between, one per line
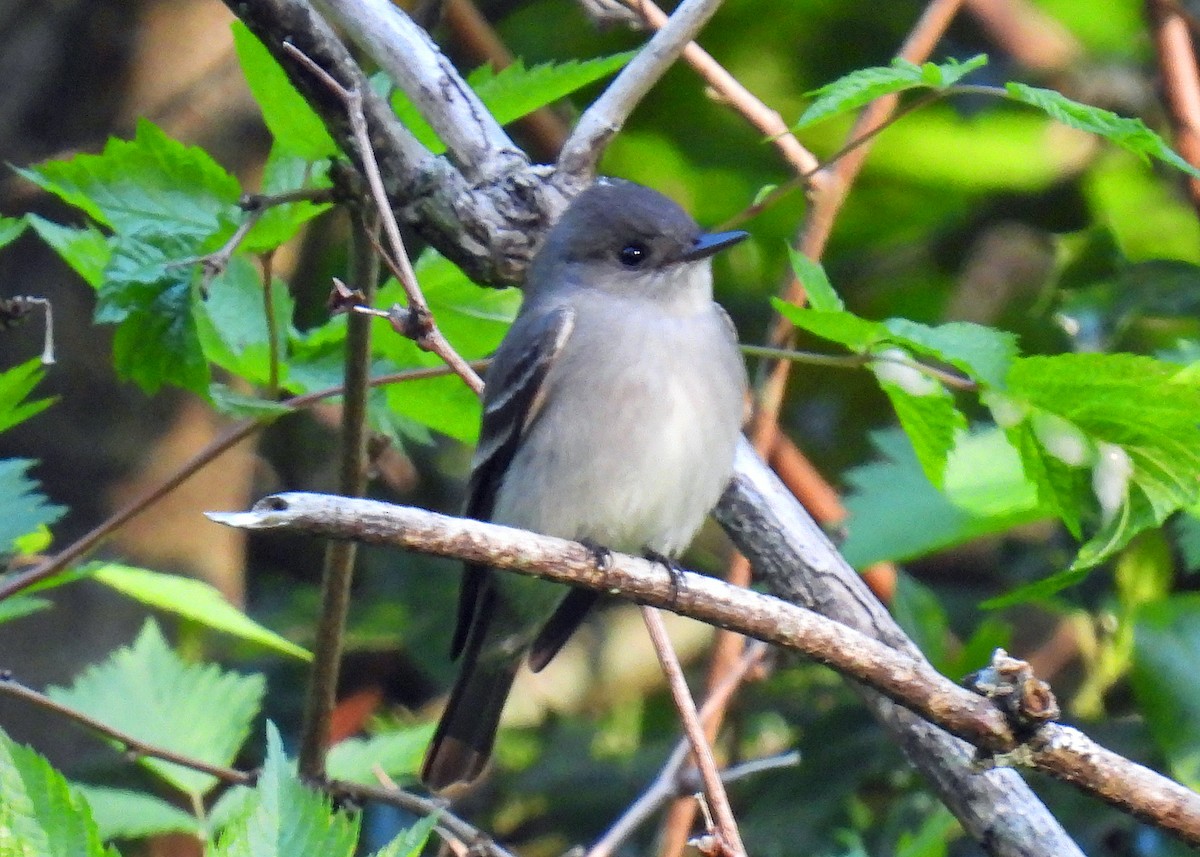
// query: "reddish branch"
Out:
[1181,83]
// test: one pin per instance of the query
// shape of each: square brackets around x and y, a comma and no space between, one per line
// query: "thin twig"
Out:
[338,572]
[667,784]
[737,96]
[1181,83]
[416,321]
[604,118]
[129,744]
[229,438]
[714,789]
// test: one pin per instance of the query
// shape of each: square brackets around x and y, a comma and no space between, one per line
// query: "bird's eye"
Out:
[633,254]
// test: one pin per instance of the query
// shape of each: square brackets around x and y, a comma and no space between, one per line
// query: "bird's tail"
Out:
[462,743]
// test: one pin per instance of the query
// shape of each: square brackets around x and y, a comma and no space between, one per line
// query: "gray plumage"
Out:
[611,413]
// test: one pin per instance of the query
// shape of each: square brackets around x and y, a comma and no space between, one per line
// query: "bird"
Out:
[611,413]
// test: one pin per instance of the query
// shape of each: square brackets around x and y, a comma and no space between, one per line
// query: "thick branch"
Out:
[897,674]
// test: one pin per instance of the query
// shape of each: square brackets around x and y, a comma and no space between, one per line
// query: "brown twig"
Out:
[667,784]
[416,320]
[129,744]
[214,449]
[1181,82]
[714,789]
[733,93]
[338,572]
[911,682]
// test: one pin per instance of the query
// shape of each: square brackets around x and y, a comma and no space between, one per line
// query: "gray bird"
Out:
[610,417]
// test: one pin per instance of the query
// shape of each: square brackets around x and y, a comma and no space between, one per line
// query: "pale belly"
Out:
[635,459]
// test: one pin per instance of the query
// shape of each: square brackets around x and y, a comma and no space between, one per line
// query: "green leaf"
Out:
[1166,651]
[295,126]
[1128,133]
[286,818]
[1038,590]
[23,508]
[815,281]
[40,815]
[984,353]
[929,418]
[1187,536]
[11,229]
[15,385]
[148,290]
[195,600]
[231,322]
[986,493]
[146,690]
[19,606]
[845,328]
[235,404]
[150,180]
[515,91]
[1142,408]
[285,173]
[120,813]
[865,85]
[398,753]
[411,842]
[86,249]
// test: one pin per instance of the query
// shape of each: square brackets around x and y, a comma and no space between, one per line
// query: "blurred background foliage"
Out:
[967,209]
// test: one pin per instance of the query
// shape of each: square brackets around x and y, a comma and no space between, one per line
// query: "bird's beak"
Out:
[712,242]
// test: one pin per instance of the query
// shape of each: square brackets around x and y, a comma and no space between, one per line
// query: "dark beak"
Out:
[712,242]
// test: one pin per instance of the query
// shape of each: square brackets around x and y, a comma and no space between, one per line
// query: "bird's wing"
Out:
[513,398]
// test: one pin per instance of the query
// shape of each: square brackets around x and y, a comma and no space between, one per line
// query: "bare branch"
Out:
[714,789]
[476,142]
[895,673]
[608,113]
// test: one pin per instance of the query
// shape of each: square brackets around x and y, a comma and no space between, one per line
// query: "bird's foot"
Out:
[674,569]
[601,555]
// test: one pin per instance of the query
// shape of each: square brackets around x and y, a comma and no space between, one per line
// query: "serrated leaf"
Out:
[1128,133]
[151,180]
[11,229]
[1038,590]
[845,328]
[147,691]
[195,600]
[231,323]
[863,86]
[243,406]
[515,91]
[1146,407]
[397,753]
[815,281]
[86,249]
[286,818]
[1165,653]
[125,814]
[984,353]
[295,126]
[23,508]
[40,816]
[411,842]
[148,291]
[933,425]
[15,386]
[1060,488]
